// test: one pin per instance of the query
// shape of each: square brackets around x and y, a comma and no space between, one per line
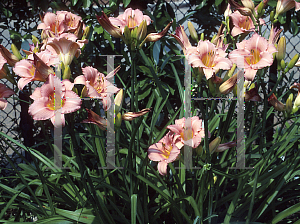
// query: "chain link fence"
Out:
[10,117]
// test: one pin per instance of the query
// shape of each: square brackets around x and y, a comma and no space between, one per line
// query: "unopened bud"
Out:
[118,120]
[142,31]
[260,7]
[16,51]
[231,71]
[272,16]
[127,34]
[193,32]
[289,104]
[86,33]
[248,4]
[276,103]
[245,11]
[213,38]
[202,36]
[297,101]
[214,144]
[281,47]
[215,179]
[282,64]
[292,62]
[228,85]
[67,72]
[118,101]
[129,116]
[133,33]
[35,41]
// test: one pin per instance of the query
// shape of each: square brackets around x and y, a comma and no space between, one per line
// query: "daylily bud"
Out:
[129,116]
[213,38]
[291,97]
[35,41]
[283,6]
[281,47]
[78,31]
[282,64]
[133,33]
[95,119]
[202,36]
[215,179]
[214,144]
[272,13]
[86,33]
[228,23]
[10,58]
[193,32]
[297,101]
[252,95]
[153,37]
[108,26]
[118,120]
[228,85]
[293,61]
[260,7]
[248,4]
[224,146]
[289,104]
[227,11]
[230,72]
[118,101]
[243,10]
[141,31]
[67,72]
[298,63]
[276,103]
[127,34]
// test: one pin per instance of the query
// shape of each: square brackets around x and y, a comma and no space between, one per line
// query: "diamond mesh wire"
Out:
[10,117]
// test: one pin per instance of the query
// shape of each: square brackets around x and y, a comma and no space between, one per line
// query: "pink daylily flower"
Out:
[207,56]
[74,38]
[44,106]
[131,18]
[4,92]
[164,152]
[242,24]
[31,70]
[190,135]
[70,20]
[182,38]
[97,85]
[60,22]
[253,54]
[52,24]
[64,48]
